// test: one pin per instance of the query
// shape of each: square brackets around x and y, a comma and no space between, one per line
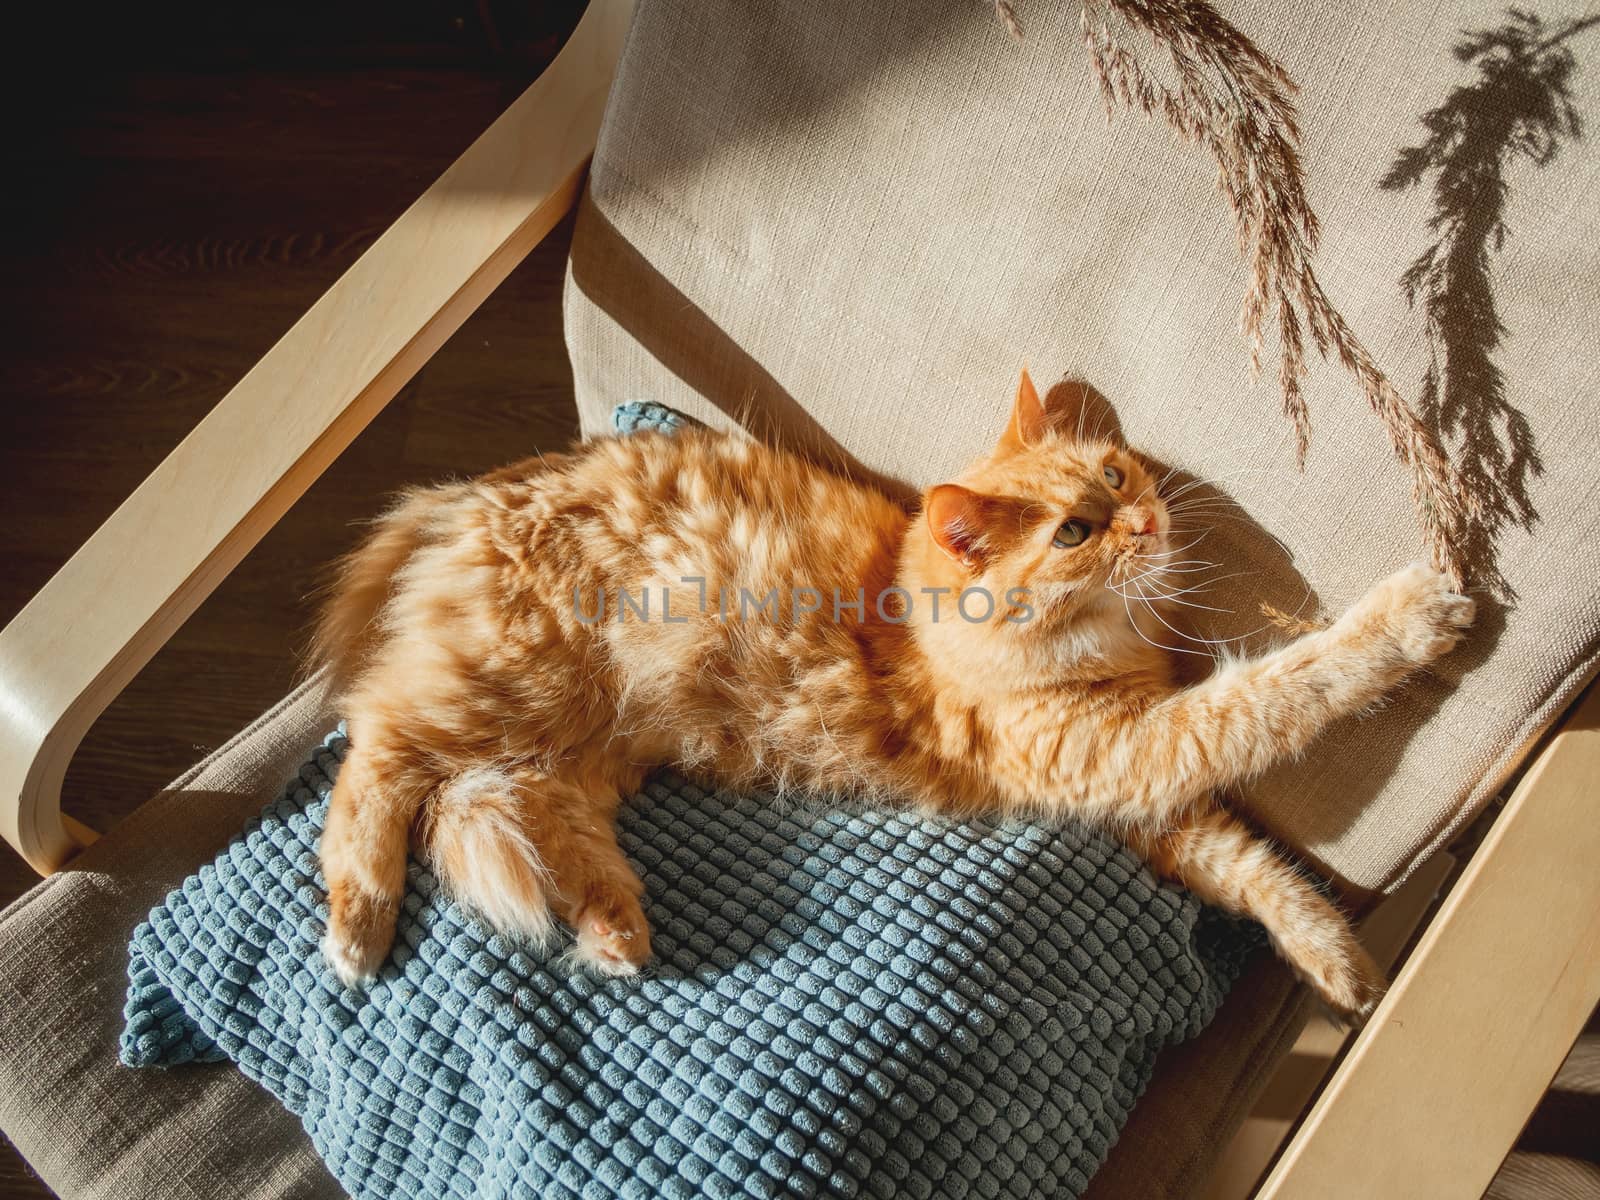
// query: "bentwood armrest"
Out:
[1436,1088]
[124,593]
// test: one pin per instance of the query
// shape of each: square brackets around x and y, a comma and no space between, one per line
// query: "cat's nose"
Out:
[1141,521]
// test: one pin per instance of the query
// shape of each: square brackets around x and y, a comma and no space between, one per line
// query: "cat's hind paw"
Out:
[1348,982]
[353,965]
[360,932]
[613,937]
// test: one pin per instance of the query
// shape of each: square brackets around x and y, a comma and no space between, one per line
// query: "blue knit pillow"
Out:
[843,1003]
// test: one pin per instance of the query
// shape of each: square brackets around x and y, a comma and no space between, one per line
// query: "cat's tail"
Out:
[350,625]
[475,833]
[478,845]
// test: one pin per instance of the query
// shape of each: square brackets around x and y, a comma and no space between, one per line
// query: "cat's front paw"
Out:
[1418,609]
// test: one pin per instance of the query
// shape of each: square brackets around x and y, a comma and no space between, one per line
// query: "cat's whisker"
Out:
[1166,599]
[1220,480]
[1133,622]
[1192,496]
[1224,509]
[1190,507]
[1154,584]
[1251,525]
[1205,585]
[1159,577]
[1201,588]
[1186,566]
[1149,488]
[1178,549]
[1225,505]
[1161,589]
[1177,497]
[1148,592]
[1169,558]
[1197,590]
[1160,570]
[1217,485]
[1204,641]
[1152,557]
[1214,517]
[1156,578]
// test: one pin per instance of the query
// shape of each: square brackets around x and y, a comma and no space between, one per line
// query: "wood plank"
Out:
[1437,1086]
[1385,932]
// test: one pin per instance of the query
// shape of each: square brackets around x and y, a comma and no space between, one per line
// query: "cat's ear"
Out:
[1073,408]
[1028,418]
[965,525]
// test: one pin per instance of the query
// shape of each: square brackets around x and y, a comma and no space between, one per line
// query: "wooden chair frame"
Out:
[1430,1096]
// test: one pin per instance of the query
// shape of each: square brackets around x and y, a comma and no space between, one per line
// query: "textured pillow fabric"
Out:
[842,1003]
[860,219]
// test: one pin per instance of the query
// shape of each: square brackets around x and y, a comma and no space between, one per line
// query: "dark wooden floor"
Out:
[167,226]
[180,241]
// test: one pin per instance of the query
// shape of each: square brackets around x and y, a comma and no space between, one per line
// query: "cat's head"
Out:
[1067,517]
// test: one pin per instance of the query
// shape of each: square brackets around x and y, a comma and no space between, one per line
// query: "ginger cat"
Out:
[502,693]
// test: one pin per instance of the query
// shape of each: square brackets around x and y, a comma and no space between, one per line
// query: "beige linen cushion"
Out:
[860,220]
[90,1126]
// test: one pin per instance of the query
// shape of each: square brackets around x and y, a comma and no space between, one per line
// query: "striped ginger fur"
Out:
[495,723]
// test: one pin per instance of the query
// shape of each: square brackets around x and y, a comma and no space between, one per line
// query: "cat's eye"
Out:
[1113,476]
[1071,533]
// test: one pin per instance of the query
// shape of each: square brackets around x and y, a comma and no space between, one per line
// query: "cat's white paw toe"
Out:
[613,940]
[354,966]
[602,962]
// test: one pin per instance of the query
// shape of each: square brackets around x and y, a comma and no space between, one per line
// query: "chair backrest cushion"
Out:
[849,224]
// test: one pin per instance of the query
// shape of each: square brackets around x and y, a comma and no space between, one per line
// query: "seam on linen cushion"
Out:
[287,701]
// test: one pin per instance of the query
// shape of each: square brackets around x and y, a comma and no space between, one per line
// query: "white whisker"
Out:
[1165,599]
[1203,641]
[1134,622]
